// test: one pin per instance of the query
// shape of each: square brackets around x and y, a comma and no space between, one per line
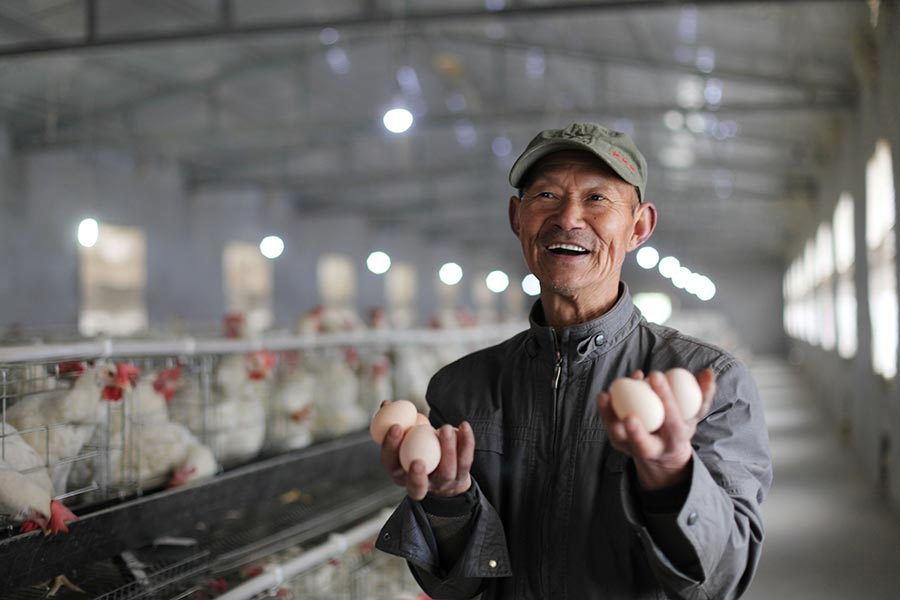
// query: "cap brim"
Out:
[530,157]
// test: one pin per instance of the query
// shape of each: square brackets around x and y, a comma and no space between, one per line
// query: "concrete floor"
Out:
[828,533]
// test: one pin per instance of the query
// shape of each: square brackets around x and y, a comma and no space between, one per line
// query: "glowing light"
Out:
[501,146]
[397,120]
[456,102]
[497,281]
[705,59]
[271,246]
[378,262]
[696,122]
[681,277]
[656,307]
[647,257]
[674,120]
[669,266]
[88,232]
[337,60]
[450,274]
[531,285]
[329,36]
[707,289]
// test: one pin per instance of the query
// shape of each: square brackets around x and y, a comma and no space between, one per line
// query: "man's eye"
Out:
[545,195]
[598,197]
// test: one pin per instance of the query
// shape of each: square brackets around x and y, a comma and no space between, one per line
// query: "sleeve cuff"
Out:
[666,500]
[452,506]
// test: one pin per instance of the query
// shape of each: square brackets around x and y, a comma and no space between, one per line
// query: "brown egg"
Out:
[633,397]
[421,443]
[399,412]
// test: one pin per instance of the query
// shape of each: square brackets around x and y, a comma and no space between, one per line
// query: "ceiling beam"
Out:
[779,80]
[227,27]
[285,132]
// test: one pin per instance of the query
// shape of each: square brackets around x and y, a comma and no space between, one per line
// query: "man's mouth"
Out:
[567,249]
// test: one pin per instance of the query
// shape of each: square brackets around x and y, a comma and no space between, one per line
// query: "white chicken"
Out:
[28,503]
[57,424]
[139,445]
[26,491]
[413,368]
[375,382]
[337,394]
[293,405]
[234,422]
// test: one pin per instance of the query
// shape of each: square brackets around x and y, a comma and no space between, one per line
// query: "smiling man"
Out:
[542,491]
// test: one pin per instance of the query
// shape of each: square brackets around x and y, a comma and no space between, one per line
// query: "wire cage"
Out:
[96,424]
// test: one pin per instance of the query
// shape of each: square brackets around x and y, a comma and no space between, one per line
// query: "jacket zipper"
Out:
[557,372]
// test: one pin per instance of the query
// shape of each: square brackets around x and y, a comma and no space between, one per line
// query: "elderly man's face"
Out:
[576,221]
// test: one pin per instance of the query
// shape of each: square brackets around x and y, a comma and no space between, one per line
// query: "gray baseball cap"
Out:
[613,147]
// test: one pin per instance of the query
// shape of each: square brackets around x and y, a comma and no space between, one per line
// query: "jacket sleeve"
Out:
[409,535]
[711,546]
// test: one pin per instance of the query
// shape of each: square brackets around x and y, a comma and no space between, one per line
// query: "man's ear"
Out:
[644,224]
[514,202]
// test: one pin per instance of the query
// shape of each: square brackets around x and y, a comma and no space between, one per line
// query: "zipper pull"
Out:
[557,371]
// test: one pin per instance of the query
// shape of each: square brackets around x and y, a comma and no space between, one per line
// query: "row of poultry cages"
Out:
[88,424]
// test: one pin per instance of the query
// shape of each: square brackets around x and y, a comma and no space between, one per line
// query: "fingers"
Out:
[417,480]
[390,455]
[451,477]
[465,450]
[707,381]
[643,445]
[673,426]
[637,374]
[446,469]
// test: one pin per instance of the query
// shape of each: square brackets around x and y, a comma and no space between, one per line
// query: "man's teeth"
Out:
[569,247]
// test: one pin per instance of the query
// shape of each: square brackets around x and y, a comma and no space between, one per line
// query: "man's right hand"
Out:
[451,477]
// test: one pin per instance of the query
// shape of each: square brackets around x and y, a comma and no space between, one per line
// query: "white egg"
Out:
[422,420]
[686,390]
[421,443]
[399,412]
[637,398]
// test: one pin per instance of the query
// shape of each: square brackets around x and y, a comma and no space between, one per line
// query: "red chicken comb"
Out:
[127,374]
[259,364]
[172,374]
[71,366]
[167,382]
[234,324]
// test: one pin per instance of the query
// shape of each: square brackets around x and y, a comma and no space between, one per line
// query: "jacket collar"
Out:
[581,341]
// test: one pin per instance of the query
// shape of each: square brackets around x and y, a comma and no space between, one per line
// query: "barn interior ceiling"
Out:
[736,105]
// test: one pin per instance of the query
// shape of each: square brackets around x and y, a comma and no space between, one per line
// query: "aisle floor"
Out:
[829,535]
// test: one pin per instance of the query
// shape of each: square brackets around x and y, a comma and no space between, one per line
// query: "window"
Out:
[881,245]
[113,280]
[824,291]
[400,287]
[248,285]
[808,301]
[337,281]
[844,259]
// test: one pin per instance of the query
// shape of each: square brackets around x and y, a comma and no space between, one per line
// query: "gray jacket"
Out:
[554,511]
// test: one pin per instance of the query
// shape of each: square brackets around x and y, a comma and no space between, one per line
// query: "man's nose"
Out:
[569,214]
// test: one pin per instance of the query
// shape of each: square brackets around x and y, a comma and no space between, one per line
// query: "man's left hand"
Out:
[661,458]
